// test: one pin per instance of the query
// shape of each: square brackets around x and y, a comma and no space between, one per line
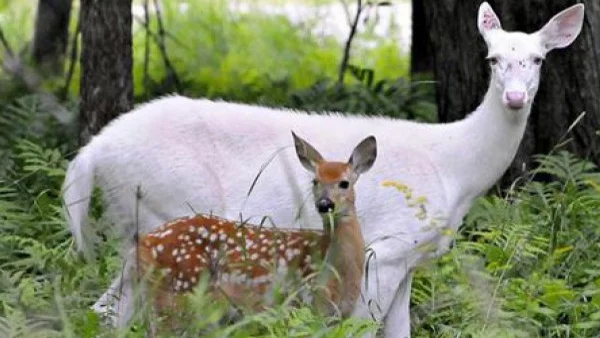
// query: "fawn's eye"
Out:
[344,184]
[538,60]
[315,182]
[492,60]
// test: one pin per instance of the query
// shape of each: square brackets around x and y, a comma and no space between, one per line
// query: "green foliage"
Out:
[399,98]
[37,118]
[523,266]
[247,56]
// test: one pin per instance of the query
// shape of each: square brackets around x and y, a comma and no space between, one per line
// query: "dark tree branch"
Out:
[72,59]
[171,73]
[146,80]
[5,43]
[346,12]
[156,37]
[51,34]
[348,45]
[14,66]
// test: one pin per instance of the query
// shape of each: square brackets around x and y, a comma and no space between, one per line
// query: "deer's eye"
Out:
[315,182]
[344,184]
[492,60]
[538,60]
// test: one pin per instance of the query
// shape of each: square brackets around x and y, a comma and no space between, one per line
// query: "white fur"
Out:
[205,154]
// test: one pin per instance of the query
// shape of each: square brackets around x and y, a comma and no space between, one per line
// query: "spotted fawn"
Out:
[243,261]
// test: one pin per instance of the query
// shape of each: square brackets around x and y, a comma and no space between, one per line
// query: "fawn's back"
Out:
[232,253]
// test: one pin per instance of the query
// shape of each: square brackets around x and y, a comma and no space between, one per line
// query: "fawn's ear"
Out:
[307,154]
[364,155]
[563,28]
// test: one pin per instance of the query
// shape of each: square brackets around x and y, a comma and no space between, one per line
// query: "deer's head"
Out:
[333,183]
[516,57]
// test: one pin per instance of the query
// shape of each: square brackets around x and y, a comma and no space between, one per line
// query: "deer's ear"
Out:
[562,29]
[364,155]
[487,20]
[309,157]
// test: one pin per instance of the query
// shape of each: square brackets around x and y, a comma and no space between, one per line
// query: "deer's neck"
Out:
[483,146]
[345,252]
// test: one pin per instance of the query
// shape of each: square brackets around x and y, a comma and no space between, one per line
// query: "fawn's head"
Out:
[333,183]
[516,57]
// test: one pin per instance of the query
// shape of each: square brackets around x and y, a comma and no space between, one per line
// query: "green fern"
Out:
[538,269]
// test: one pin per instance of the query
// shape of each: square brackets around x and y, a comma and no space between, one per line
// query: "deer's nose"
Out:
[325,205]
[515,99]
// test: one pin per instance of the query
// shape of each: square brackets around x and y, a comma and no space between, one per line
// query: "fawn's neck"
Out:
[345,249]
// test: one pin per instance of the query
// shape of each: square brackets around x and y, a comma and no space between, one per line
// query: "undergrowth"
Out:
[523,265]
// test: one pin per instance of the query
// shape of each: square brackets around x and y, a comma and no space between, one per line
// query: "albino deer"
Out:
[241,258]
[205,154]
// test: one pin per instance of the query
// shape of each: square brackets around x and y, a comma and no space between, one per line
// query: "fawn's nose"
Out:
[325,205]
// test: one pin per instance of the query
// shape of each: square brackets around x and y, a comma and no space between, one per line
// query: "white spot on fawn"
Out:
[166,233]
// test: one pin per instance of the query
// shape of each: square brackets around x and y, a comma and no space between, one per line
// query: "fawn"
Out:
[243,260]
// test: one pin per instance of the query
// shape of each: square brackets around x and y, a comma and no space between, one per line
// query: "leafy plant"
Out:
[524,265]
[395,98]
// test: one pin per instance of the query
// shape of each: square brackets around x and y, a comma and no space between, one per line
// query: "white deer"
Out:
[203,155]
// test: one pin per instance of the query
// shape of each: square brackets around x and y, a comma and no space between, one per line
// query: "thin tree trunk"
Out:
[51,34]
[570,80]
[106,63]
[421,57]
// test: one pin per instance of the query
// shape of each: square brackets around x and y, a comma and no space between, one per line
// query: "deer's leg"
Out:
[397,321]
[386,290]
[105,306]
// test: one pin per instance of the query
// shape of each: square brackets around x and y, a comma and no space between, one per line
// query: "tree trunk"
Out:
[106,63]
[570,79]
[421,58]
[51,34]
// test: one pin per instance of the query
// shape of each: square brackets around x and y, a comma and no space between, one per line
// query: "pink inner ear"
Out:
[566,21]
[490,21]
